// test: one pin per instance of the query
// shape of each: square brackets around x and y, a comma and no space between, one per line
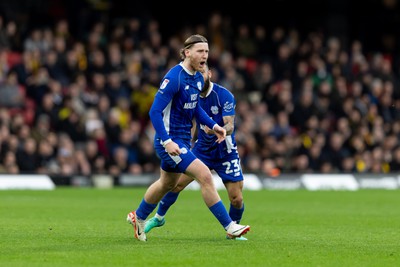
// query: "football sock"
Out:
[145,209]
[158,217]
[167,201]
[236,214]
[219,211]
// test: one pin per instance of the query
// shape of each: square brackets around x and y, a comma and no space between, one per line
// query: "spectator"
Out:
[12,95]
[26,156]
[323,86]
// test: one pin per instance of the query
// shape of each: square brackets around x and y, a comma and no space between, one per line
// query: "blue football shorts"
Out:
[227,168]
[177,164]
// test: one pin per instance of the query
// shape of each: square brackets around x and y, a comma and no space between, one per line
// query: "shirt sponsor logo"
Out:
[228,106]
[191,105]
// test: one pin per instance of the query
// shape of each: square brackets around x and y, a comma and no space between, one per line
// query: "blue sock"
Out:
[167,201]
[219,211]
[145,209]
[236,214]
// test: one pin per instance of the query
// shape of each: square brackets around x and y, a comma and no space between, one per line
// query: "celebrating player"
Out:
[172,113]
[222,157]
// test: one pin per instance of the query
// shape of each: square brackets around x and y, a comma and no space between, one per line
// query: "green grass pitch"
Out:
[87,227]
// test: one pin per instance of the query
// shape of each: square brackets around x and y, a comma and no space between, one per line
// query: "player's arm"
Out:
[161,100]
[156,117]
[229,125]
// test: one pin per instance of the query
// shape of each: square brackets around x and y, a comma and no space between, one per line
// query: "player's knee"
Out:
[205,179]
[237,201]
[169,185]
[178,188]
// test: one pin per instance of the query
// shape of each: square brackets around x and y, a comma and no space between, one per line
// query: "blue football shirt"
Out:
[218,103]
[176,104]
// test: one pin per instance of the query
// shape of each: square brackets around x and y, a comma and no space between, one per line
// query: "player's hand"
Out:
[173,149]
[220,133]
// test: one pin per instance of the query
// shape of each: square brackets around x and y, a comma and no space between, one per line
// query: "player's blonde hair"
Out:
[193,39]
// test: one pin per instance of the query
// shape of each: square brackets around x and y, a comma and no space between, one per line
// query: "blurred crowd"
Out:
[305,102]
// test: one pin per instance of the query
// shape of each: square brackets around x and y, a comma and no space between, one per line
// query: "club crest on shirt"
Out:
[199,85]
[214,110]
[184,150]
[164,84]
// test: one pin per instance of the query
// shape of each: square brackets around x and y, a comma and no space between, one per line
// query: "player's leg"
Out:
[236,209]
[153,195]
[199,171]
[235,194]
[170,198]
[229,170]
[166,202]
